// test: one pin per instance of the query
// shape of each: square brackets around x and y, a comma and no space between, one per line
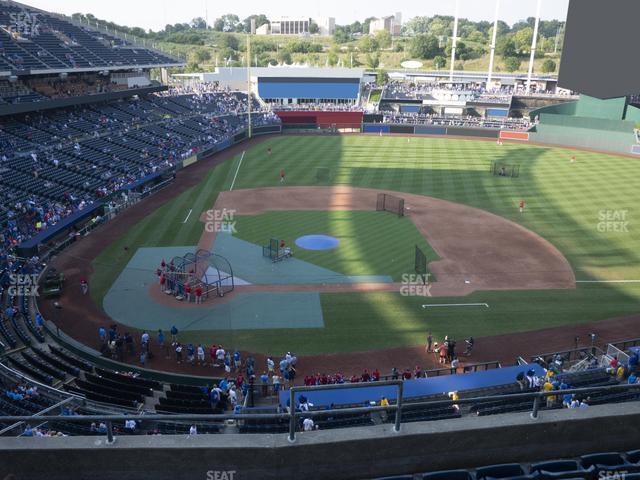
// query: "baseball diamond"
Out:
[397,248]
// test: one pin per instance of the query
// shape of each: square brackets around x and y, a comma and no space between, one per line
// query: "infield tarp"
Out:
[422,387]
[129,301]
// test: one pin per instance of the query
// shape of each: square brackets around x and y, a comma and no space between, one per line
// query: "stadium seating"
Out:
[56,43]
[64,160]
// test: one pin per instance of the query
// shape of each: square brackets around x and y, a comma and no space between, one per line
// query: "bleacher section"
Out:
[44,42]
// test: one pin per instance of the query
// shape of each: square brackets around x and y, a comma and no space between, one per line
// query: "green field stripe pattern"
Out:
[589,209]
[371,243]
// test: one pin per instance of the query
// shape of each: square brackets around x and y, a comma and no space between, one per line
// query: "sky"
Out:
[155,14]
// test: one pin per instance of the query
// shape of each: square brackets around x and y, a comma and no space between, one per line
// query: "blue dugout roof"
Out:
[421,387]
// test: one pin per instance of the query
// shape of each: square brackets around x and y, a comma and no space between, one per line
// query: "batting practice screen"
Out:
[390,203]
[421,264]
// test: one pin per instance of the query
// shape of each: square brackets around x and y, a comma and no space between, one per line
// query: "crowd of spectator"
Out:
[402,90]
[456,121]
[105,148]
[320,106]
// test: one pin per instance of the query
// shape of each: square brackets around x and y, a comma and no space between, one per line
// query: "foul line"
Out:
[237,170]
[456,305]
[188,215]
[607,281]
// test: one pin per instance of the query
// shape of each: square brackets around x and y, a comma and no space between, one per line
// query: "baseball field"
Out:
[581,211]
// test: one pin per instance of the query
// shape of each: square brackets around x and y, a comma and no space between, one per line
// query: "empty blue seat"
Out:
[448,475]
[607,461]
[556,466]
[633,456]
[505,470]
[557,469]
[401,477]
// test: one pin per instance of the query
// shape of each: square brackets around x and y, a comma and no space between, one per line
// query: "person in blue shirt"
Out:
[214,397]
[160,338]
[224,385]
[236,359]
[174,334]
[28,431]
[264,382]
[632,379]
[103,334]
[39,321]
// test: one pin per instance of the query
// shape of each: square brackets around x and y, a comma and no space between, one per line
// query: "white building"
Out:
[290,26]
[297,26]
[326,25]
[391,23]
[264,29]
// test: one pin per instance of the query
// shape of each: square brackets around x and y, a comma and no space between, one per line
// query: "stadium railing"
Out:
[535,397]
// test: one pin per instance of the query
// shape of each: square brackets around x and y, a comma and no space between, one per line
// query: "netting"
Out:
[390,203]
[420,265]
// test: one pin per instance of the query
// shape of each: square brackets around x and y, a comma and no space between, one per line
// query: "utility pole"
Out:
[454,41]
[493,43]
[534,41]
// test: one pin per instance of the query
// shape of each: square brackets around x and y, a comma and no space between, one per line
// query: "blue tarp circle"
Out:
[317,242]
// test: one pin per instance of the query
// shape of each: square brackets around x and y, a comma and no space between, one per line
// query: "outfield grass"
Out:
[371,243]
[565,203]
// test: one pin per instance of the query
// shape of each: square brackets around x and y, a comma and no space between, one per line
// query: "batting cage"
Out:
[420,265]
[204,269]
[500,169]
[390,203]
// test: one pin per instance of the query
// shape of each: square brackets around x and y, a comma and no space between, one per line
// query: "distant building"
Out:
[391,24]
[264,29]
[290,26]
[326,25]
[297,26]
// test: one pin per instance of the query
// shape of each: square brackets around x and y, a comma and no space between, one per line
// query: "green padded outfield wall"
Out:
[590,123]
[567,108]
[633,114]
[612,109]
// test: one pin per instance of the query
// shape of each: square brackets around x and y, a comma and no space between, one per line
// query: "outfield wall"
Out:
[429,130]
[575,136]
[359,452]
[320,119]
